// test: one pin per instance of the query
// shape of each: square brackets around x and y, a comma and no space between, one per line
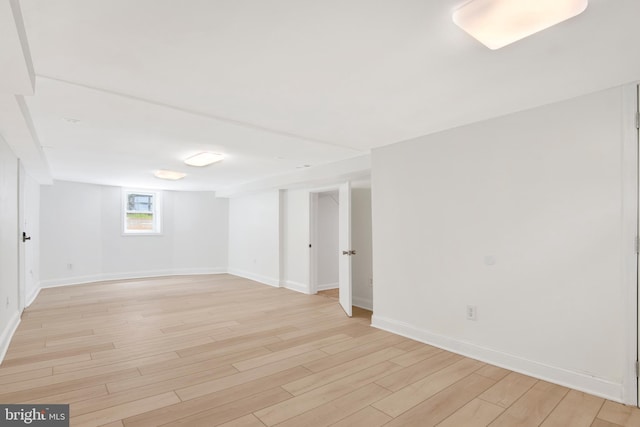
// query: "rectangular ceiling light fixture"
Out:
[204,159]
[497,23]
[170,175]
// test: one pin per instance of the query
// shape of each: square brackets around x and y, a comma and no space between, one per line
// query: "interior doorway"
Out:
[326,243]
[330,237]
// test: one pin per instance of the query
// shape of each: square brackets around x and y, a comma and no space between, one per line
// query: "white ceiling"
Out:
[283,83]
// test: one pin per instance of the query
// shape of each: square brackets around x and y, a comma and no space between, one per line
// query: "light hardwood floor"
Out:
[221,350]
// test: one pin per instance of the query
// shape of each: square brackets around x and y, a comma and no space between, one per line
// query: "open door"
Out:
[26,254]
[344,231]
[638,249]
[22,253]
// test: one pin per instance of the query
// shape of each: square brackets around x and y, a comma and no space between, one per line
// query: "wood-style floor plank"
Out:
[476,413]
[215,399]
[621,415]
[233,410]
[367,417]
[508,390]
[443,404]
[246,421]
[533,407]
[601,423]
[222,350]
[311,400]
[415,393]
[338,409]
[577,409]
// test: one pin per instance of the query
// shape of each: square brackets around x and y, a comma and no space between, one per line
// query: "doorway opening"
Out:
[330,242]
[326,253]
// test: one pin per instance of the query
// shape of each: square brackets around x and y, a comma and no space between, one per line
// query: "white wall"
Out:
[81,227]
[9,312]
[71,232]
[361,242]
[254,237]
[522,216]
[327,240]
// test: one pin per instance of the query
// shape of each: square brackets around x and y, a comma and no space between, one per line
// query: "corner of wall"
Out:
[271,281]
[7,333]
[32,297]
[327,286]
[298,287]
[366,303]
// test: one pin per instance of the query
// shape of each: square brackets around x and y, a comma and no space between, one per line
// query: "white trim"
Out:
[327,286]
[157,212]
[314,287]
[78,280]
[366,303]
[297,286]
[265,280]
[575,380]
[629,230]
[7,333]
[32,297]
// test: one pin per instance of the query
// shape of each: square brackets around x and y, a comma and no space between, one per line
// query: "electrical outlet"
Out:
[69,266]
[371,281]
[472,312]
[7,304]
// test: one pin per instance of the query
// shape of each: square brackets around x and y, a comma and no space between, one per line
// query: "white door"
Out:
[638,258]
[26,262]
[344,231]
[21,229]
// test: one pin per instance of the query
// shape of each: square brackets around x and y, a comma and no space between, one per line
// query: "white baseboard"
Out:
[78,280]
[32,296]
[296,286]
[327,286]
[255,277]
[366,303]
[560,376]
[7,333]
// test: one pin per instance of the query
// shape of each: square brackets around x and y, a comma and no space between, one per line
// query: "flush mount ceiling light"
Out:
[203,159]
[497,23]
[171,175]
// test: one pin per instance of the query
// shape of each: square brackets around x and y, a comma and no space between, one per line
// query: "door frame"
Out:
[314,219]
[632,97]
[630,232]
[313,233]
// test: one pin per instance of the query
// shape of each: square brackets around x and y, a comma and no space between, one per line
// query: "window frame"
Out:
[156,212]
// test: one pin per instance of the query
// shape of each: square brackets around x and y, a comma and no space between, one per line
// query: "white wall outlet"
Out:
[472,312]
[69,266]
[7,302]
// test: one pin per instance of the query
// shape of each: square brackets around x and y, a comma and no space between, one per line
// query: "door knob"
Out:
[25,237]
[345,253]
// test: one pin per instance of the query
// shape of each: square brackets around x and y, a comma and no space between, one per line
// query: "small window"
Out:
[141,212]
